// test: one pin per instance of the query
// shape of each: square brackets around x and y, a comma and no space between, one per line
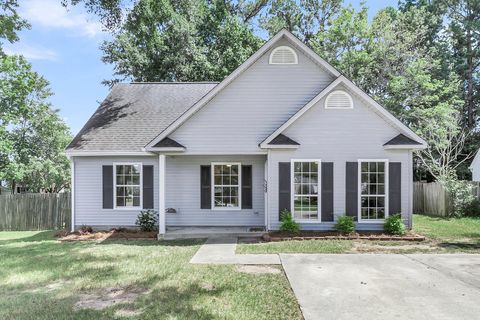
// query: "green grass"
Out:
[298,246]
[444,236]
[41,278]
[441,228]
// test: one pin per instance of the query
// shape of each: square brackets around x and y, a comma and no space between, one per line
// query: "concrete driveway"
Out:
[369,286]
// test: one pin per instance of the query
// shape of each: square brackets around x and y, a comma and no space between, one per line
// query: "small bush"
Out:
[288,223]
[62,233]
[147,220]
[472,208]
[84,229]
[394,225]
[345,224]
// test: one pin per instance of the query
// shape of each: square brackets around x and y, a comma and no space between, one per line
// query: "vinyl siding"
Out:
[255,104]
[183,193]
[340,136]
[88,192]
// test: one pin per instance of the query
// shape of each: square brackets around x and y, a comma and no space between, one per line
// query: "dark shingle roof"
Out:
[133,114]
[400,140]
[168,143]
[283,140]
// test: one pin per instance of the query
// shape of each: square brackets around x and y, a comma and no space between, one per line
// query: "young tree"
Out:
[33,136]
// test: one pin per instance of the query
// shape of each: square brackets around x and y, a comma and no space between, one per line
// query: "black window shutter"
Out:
[394,188]
[351,190]
[327,191]
[205,187]
[247,187]
[147,187]
[283,187]
[107,187]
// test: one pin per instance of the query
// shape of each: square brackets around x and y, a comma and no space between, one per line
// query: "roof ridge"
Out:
[173,82]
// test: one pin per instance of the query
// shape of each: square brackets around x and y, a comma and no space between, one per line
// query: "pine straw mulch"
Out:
[333,235]
[114,234]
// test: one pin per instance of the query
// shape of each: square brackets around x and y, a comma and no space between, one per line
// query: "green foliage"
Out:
[345,224]
[32,134]
[179,41]
[394,225]
[472,208]
[460,195]
[288,223]
[147,220]
[10,21]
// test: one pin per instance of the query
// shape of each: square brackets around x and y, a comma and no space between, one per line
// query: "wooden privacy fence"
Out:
[433,199]
[35,211]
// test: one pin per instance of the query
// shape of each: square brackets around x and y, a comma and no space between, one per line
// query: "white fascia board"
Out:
[405,147]
[74,153]
[278,146]
[172,149]
[370,101]
[300,112]
[244,66]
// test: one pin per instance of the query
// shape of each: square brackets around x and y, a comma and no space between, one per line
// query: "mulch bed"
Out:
[107,235]
[329,235]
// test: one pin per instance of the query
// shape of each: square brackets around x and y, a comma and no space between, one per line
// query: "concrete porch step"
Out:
[173,233]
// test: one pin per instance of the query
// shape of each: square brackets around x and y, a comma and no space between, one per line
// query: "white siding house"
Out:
[475,167]
[283,131]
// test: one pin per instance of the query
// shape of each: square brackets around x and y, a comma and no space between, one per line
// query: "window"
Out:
[373,189]
[338,99]
[226,185]
[305,180]
[283,55]
[128,191]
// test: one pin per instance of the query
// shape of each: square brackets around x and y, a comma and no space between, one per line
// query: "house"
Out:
[475,167]
[285,130]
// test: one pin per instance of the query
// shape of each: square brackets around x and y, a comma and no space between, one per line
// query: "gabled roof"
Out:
[475,160]
[132,115]
[244,66]
[284,140]
[401,139]
[387,116]
[168,143]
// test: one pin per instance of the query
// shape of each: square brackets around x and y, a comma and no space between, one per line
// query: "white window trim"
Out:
[359,205]
[292,190]
[213,164]
[327,99]
[115,164]
[279,48]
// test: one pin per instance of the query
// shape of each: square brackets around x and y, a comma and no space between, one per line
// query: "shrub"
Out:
[472,208]
[345,224]
[147,220]
[288,224]
[460,195]
[84,229]
[394,225]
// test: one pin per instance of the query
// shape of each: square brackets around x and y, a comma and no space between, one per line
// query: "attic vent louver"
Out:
[283,55]
[338,99]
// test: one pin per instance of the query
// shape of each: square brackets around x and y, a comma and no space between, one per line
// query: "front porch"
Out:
[173,233]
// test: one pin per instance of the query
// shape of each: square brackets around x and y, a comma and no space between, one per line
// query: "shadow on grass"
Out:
[460,245]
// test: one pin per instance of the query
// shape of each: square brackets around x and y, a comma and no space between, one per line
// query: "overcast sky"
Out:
[63,46]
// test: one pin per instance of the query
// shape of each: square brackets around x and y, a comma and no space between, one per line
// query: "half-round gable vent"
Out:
[339,99]
[283,55]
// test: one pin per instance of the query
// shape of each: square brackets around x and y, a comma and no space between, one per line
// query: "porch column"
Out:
[161,195]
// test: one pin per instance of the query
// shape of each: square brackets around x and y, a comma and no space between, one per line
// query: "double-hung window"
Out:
[226,185]
[373,195]
[305,186]
[128,181]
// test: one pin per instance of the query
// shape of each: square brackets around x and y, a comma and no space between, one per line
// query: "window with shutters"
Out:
[283,55]
[339,99]
[373,190]
[305,190]
[226,182]
[128,185]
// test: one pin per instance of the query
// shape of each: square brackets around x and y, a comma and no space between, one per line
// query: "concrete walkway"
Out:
[221,250]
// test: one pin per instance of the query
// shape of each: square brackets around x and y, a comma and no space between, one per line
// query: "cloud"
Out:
[51,14]
[30,52]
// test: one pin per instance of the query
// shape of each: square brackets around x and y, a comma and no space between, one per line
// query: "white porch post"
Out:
[161,195]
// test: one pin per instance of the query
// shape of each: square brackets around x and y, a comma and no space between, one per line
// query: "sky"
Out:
[63,46]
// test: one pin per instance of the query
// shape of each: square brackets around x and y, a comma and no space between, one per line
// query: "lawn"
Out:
[443,236]
[41,278]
